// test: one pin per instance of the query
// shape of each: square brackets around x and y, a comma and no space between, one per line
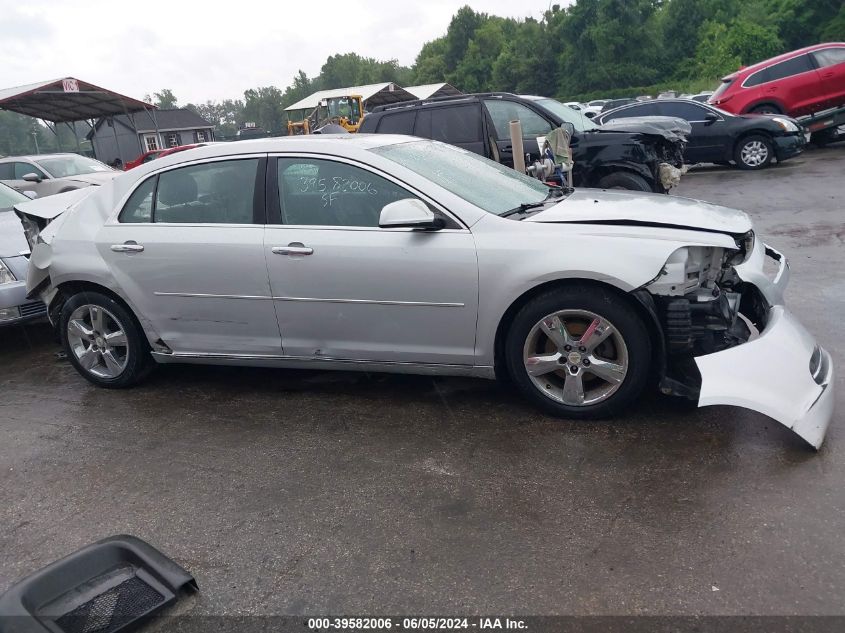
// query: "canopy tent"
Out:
[372,94]
[428,91]
[68,100]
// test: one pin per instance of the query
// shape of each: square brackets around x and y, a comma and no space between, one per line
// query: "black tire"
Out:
[625,180]
[609,306]
[766,108]
[748,144]
[138,362]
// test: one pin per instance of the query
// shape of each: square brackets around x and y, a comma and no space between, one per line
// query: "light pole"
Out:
[35,138]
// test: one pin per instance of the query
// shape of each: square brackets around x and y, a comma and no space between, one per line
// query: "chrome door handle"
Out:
[127,247]
[294,248]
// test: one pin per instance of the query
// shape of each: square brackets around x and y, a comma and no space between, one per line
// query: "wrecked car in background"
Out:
[396,254]
[608,159]
[14,261]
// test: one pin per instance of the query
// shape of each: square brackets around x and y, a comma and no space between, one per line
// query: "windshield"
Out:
[726,83]
[9,197]
[482,182]
[64,166]
[576,118]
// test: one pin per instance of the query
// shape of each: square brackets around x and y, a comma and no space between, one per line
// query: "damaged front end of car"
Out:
[729,340]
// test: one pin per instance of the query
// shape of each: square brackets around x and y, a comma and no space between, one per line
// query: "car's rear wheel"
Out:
[103,341]
[579,352]
[624,180]
[766,108]
[753,152]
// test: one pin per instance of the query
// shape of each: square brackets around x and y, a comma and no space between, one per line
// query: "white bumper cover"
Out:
[782,373]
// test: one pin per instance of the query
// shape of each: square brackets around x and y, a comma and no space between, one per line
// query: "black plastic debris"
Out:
[102,588]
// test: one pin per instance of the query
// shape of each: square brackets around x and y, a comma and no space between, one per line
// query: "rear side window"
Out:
[829,57]
[139,207]
[782,70]
[397,123]
[221,192]
[646,109]
[460,124]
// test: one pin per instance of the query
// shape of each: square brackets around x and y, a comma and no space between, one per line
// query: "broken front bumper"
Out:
[782,373]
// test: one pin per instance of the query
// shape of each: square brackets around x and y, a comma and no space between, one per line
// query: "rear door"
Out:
[502,112]
[187,249]
[795,83]
[831,69]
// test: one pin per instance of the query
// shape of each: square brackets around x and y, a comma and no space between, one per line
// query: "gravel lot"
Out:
[289,492]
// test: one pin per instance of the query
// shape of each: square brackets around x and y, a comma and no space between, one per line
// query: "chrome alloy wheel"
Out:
[754,153]
[98,341]
[576,357]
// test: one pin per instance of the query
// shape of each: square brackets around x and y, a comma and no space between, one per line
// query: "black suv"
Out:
[628,158]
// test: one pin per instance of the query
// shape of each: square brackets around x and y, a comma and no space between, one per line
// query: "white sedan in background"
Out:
[49,174]
[391,253]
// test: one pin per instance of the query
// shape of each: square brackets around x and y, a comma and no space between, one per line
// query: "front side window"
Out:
[316,192]
[7,171]
[480,181]
[22,169]
[830,57]
[72,165]
[211,193]
[503,112]
[685,111]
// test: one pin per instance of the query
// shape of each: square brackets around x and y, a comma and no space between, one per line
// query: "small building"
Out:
[128,136]
[430,91]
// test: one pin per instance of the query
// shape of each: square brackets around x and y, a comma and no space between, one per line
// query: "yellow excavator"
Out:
[346,111]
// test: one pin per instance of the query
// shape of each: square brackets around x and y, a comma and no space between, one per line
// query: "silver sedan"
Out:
[389,253]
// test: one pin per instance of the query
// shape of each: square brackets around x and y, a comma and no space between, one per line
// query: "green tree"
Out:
[263,106]
[164,99]
[724,48]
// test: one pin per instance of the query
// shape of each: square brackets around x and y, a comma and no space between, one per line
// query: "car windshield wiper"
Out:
[554,194]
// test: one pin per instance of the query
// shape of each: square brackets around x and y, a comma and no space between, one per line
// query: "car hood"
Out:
[597,206]
[12,238]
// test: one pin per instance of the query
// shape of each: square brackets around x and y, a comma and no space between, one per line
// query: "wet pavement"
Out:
[289,492]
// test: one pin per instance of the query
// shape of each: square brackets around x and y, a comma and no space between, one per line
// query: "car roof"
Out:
[318,143]
[779,58]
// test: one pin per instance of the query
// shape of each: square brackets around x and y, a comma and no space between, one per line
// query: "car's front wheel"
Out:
[579,352]
[754,152]
[624,180]
[103,341]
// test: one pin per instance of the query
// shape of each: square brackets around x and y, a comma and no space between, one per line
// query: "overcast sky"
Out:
[215,50]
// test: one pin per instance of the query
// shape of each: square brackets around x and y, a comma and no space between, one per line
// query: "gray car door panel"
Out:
[345,289]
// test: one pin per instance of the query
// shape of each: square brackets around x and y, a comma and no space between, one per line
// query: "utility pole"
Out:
[35,138]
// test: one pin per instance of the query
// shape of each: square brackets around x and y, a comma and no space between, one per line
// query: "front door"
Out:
[831,63]
[346,289]
[187,249]
[502,112]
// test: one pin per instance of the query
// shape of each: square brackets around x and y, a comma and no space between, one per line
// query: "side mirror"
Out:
[710,118]
[569,128]
[409,213]
[32,177]
[30,194]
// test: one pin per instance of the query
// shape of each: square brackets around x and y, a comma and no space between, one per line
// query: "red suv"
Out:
[798,83]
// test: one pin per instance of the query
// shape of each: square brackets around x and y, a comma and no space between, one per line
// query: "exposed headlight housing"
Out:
[745,245]
[6,276]
[788,125]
